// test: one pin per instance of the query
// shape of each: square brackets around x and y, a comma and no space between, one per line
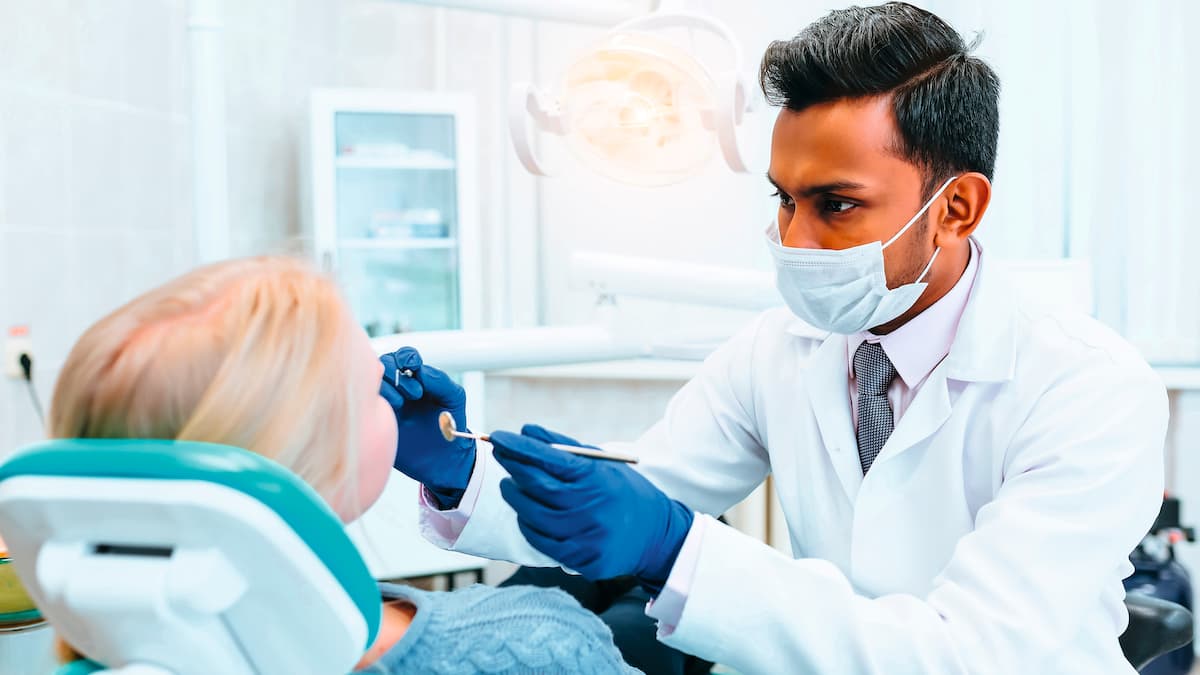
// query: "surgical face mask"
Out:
[845,291]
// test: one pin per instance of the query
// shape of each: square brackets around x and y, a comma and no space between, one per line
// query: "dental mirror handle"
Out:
[449,431]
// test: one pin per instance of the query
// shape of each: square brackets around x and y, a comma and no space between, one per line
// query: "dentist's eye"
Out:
[784,200]
[837,206]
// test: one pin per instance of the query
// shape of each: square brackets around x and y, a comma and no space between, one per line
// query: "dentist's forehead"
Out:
[851,142]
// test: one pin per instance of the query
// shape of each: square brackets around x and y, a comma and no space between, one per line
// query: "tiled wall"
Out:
[95,167]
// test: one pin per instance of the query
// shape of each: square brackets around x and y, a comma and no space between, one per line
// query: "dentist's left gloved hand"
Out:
[597,517]
[422,453]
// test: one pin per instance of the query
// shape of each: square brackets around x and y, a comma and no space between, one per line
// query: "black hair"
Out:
[945,101]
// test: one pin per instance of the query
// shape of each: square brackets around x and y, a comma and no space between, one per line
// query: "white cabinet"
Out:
[395,218]
[395,208]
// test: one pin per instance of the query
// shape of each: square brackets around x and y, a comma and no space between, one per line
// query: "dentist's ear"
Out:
[964,203]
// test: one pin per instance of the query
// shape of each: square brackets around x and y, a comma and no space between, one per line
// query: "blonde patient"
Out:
[263,354]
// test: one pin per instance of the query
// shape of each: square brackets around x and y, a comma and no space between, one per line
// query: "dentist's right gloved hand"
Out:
[599,518]
[422,453]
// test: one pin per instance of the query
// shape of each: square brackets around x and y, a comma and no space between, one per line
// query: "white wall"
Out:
[95,172]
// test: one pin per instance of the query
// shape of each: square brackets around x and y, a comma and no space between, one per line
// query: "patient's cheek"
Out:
[378,451]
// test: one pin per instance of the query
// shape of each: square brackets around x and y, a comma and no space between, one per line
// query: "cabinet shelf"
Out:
[395,163]
[415,243]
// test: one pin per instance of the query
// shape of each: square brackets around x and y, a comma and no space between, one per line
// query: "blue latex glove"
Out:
[422,452]
[599,518]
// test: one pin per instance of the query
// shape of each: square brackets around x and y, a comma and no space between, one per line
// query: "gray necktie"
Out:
[873,372]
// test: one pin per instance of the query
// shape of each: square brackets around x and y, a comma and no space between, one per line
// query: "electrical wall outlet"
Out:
[16,343]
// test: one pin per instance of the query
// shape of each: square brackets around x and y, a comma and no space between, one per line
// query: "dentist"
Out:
[963,476]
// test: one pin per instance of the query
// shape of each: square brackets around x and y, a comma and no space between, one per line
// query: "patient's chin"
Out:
[349,505]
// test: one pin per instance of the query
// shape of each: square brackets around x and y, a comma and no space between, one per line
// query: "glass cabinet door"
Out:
[396,195]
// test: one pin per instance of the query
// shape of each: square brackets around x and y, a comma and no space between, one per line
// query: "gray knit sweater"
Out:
[499,631]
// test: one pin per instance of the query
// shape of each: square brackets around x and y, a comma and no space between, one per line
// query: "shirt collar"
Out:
[918,346]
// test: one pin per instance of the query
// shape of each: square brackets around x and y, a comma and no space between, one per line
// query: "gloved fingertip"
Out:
[545,435]
[393,375]
[441,385]
[514,457]
[536,431]
[567,465]
[407,357]
[408,387]
[504,439]
[510,491]
[389,394]
[500,452]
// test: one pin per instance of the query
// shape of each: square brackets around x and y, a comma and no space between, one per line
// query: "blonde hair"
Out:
[254,353]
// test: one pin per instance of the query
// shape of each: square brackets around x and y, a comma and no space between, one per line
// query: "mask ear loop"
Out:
[928,267]
[919,214]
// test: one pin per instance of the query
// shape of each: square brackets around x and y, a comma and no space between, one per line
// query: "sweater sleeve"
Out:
[503,631]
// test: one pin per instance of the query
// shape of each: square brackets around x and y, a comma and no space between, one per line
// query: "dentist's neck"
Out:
[946,271]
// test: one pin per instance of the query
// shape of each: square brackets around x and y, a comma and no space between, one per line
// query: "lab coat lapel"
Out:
[985,347]
[984,350]
[929,410]
[827,380]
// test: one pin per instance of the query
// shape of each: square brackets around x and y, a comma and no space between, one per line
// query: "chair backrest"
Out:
[192,557]
[1156,626]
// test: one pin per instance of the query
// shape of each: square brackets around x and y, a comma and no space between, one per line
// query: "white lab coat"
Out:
[990,536]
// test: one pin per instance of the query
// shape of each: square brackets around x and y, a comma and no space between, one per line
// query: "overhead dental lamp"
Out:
[637,108]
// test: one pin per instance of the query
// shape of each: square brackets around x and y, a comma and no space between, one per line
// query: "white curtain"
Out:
[1098,110]
[1131,173]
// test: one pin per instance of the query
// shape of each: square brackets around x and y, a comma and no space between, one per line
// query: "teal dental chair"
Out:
[179,558]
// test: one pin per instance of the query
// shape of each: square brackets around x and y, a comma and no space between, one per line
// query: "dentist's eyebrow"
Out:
[775,183]
[824,188]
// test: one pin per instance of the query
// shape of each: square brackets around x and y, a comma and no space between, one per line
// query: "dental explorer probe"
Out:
[450,432]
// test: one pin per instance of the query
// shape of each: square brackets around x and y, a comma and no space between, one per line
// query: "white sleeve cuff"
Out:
[667,608]
[443,528]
